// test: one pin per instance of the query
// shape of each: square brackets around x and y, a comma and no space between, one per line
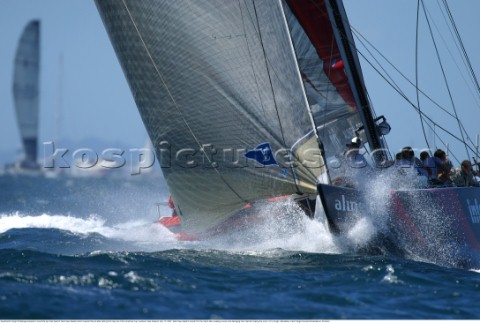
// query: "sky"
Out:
[88,93]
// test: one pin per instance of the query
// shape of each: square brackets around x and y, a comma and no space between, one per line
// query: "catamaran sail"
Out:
[25,91]
[237,97]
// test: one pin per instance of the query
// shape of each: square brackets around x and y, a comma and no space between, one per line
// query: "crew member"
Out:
[172,222]
[172,206]
[465,176]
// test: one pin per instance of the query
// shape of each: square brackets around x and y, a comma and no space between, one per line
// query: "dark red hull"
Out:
[440,225]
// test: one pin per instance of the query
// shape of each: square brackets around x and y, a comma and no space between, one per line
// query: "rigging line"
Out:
[398,90]
[449,26]
[374,58]
[465,58]
[175,102]
[398,71]
[445,78]
[393,83]
[416,74]
[273,94]
[456,64]
[363,40]
[462,55]
[455,117]
[411,103]
[459,38]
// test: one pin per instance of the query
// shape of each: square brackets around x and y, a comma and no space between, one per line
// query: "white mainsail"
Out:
[25,91]
[233,95]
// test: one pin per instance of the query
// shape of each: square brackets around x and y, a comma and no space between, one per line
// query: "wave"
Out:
[284,226]
[132,231]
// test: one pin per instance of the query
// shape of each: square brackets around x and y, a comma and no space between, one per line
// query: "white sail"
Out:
[25,90]
[218,88]
[235,96]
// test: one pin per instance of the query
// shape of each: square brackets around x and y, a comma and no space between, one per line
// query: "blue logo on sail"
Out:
[262,154]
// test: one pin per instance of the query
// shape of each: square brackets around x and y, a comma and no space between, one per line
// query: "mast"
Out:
[346,44]
[58,112]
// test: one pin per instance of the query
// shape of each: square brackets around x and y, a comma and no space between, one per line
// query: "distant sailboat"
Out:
[26,93]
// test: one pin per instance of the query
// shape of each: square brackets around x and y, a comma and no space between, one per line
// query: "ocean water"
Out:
[87,248]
